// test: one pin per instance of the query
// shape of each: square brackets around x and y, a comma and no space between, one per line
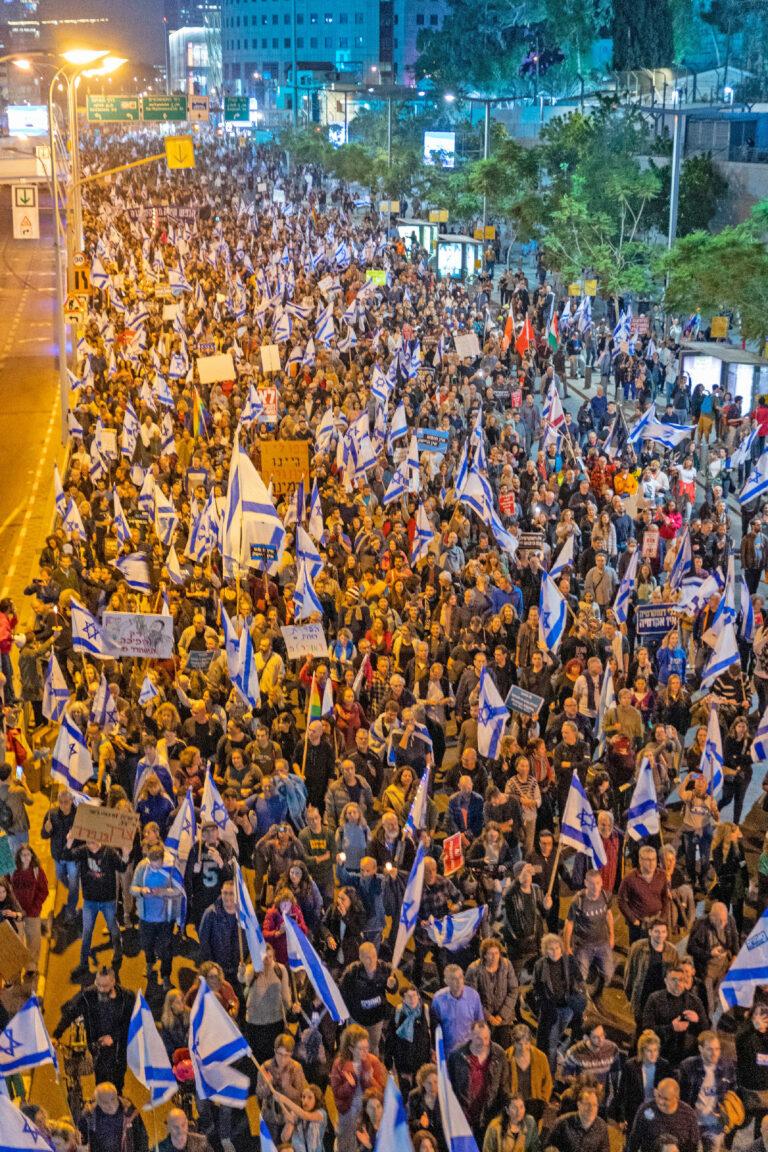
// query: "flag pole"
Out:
[306,731]
[555,867]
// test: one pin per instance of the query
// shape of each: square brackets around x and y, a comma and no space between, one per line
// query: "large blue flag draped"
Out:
[301,955]
[552,613]
[246,677]
[643,811]
[409,909]
[215,1043]
[578,827]
[25,1043]
[147,1057]
[17,1132]
[71,762]
[246,918]
[456,931]
[749,971]
[456,1129]
[55,691]
[491,719]
[135,571]
[393,1134]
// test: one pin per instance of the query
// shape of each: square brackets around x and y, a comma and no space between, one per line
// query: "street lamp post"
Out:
[486,152]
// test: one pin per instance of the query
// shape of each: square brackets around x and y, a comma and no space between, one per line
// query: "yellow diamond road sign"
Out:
[180,151]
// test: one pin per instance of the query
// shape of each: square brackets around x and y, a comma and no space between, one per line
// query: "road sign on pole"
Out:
[198,108]
[24,196]
[116,109]
[79,277]
[164,108]
[237,108]
[180,152]
[26,223]
[75,309]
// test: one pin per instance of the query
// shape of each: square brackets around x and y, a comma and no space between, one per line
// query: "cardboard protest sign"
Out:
[212,369]
[115,829]
[304,640]
[285,463]
[148,636]
[14,957]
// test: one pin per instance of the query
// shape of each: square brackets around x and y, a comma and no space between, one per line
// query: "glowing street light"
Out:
[82,57]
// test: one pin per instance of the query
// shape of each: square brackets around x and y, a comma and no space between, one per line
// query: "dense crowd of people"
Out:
[582,1009]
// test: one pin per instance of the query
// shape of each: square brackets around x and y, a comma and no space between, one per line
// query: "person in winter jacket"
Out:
[219,932]
[353,1072]
[8,622]
[274,925]
[110,1123]
[30,887]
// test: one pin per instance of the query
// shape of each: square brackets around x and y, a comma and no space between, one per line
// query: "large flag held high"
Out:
[215,1043]
[301,954]
[25,1043]
[643,812]
[552,613]
[456,1129]
[147,1057]
[578,827]
[491,718]
[749,971]
[409,909]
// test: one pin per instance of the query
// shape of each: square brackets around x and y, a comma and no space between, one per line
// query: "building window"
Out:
[265,19]
[313,17]
[275,42]
[419,19]
[359,17]
[313,41]
[274,18]
[329,17]
[329,42]
[299,41]
[359,41]
[343,41]
[300,18]
[344,18]
[286,18]
[434,20]
[287,42]
[264,43]
[254,43]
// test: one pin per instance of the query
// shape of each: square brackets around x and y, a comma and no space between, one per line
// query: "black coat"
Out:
[630,1093]
[497,1082]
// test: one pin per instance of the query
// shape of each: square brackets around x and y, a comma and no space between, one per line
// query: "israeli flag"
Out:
[325,431]
[253,409]
[456,1129]
[552,413]
[163,392]
[25,1043]
[668,435]
[87,636]
[146,499]
[395,488]
[55,691]
[213,811]
[491,719]
[148,692]
[552,613]
[578,827]
[643,811]
[607,700]
[757,481]
[231,644]
[315,524]
[248,922]
[182,834]
[638,431]
[135,571]
[104,709]
[462,472]
[307,553]
[399,425]
[564,558]
[409,909]
[60,500]
[71,762]
[121,521]
[749,971]
[166,519]
[423,536]
[74,427]
[760,742]
[456,931]
[147,1057]
[250,519]
[19,1134]
[623,327]
[747,628]
[725,653]
[683,562]
[99,276]
[72,522]
[393,1134]
[246,678]
[626,588]
[324,327]
[305,600]
[215,1042]
[301,955]
[417,817]
[173,566]
[711,763]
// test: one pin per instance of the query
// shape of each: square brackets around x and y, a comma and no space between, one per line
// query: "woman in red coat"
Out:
[30,887]
[353,1072]
[274,925]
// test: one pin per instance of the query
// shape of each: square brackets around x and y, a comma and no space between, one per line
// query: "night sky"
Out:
[135,29]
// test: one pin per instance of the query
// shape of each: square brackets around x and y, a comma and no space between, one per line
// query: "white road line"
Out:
[31,502]
[12,516]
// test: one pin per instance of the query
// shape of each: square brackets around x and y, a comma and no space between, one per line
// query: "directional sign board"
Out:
[103,109]
[198,108]
[79,276]
[24,196]
[180,151]
[237,108]
[164,108]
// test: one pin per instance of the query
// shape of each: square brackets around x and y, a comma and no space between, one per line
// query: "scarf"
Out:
[408,1018]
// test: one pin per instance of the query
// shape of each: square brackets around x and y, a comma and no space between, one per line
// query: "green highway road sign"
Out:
[113,108]
[236,108]
[164,108]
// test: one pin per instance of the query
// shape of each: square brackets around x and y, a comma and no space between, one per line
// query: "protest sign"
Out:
[655,619]
[650,543]
[268,397]
[518,700]
[200,661]
[14,956]
[531,541]
[467,346]
[285,463]
[304,640]
[432,440]
[110,826]
[377,276]
[270,358]
[212,369]
[453,854]
[147,636]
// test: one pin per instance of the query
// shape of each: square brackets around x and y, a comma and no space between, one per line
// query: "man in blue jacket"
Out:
[219,939]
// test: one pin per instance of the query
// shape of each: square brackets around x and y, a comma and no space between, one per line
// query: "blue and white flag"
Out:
[749,971]
[146,499]
[412,465]
[307,553]
[607,700]
[456,931]
[325,432]
[253,409]
[87,636]
[265,1136]
[100,278]
[668,435]
[462,471]
[456,1129]
[71,762]
[409,909]
[55,691]
[395,489]
[147,1057]
[72,521]
[166,517]
[491,719]
[423,536]
[638,431]
[215,1042]
[248,922]
[625,590]
[393,1134]
[747,627]
[182,834]
[399,426]
[59,497]
[231,644]
[174,567]
[760,742]
[757,481]
[306,602]
[301,955]
[417,817]
[121,520]
[253,534]
[643,811]
[578,826]
[25,1043]
[725,653]
[213,811]
[683,562]
[623,327]
[148,692]
[19,1133]
[104,708]
[324,327]
[552,613]
[711,763]
[246,677]
[135,571]
[564,558]
[315,523]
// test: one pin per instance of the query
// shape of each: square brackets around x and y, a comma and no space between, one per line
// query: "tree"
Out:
[725,272]
[642,34]
[702,187]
